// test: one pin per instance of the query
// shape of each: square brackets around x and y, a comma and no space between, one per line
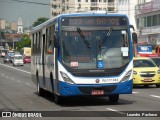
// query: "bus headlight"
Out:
[66,78]
[127,76]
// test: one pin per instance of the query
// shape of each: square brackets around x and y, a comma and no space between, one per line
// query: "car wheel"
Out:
[146,86]
[114,98]
[158,86]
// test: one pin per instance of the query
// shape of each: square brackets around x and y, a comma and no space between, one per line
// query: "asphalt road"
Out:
[18,93]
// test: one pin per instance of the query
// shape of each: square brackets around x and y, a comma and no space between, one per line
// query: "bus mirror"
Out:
[55,40]
[134,37]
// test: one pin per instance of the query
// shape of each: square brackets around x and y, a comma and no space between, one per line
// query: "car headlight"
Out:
[134,72]
[158,71]
[66,78]
[127,76]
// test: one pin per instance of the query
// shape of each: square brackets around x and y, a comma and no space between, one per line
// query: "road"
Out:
[18,93]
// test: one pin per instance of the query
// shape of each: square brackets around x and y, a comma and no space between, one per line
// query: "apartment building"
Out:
[13,26]
[128,7]
[74,6]
[2,24]
[148,21]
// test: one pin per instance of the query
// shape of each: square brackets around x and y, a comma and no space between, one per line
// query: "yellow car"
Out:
[145,72]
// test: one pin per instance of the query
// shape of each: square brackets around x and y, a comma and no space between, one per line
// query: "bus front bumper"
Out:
[67,89]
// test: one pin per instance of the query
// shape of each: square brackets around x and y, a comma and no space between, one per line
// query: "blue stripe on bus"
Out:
[67,89]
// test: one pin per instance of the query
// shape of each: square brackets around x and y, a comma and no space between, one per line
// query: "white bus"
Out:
[83,54]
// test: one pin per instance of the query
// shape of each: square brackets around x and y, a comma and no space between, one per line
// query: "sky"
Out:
[11,10]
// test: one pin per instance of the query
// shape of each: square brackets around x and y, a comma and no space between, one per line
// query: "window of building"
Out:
[100,0]
[159,19]
[104,9]
[86,8]
[86,0]
[155,20]
[137,23]
[54,6]
[79,0]
[144,22]
[149,21]
[104,0]
[110,0]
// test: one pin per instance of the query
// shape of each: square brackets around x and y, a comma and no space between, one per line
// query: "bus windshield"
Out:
[94,49]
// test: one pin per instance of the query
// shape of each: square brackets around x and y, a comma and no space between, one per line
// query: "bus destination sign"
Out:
[93,21]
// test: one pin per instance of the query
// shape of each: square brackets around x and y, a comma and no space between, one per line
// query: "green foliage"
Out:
[2,35]
[39,21]
[25,42]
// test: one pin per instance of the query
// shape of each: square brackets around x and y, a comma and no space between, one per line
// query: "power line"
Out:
[22,1]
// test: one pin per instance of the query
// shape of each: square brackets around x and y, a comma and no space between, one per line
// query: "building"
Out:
[148,21]
[2,24]
[127,7]
[74,6]
[20,26]
[13,26]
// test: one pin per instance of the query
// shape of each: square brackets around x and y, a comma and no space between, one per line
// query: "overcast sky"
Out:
[11,10]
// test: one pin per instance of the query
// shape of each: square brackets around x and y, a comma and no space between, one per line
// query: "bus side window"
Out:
[50,48]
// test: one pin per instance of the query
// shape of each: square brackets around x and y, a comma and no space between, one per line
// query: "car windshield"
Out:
[92,49]
[143,63]
[18,57]
[27,57]
[156,60]
[11,54]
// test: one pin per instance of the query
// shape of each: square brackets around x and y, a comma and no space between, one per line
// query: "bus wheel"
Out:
[57,99]
[40,91]
[114,98]
[157,85]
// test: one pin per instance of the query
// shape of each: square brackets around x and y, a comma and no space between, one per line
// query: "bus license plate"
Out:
[97,92]
[147,80]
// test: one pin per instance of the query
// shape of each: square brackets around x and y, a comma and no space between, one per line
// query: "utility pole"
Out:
[13,43]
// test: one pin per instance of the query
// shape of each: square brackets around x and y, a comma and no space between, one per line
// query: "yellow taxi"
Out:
[145,72]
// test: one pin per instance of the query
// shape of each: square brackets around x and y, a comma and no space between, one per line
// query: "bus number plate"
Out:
[97,92]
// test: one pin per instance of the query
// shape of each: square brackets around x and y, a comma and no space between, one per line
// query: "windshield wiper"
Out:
[106,37]
[83,37]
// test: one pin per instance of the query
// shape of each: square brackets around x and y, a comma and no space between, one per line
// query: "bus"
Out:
[83,54]
[3,52]
[26,53]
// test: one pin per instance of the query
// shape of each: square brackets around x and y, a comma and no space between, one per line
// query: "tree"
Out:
[25,42]
[2,35]
[39,21]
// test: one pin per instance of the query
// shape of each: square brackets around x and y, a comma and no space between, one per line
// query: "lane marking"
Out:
[27,84]
[155,96]
[2,74]
[15,68]
[135,92]
[6,76]
[12,78]
[19,81]
[110,109]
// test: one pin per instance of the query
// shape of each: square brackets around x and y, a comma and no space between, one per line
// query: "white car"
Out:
[18,60]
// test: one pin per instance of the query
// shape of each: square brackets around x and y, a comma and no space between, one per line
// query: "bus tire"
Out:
[57,99]
[40,91]
[114,98]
